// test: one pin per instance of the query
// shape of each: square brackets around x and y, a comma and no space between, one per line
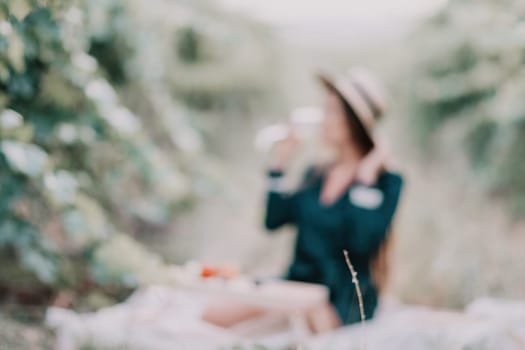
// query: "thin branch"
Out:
[355,281]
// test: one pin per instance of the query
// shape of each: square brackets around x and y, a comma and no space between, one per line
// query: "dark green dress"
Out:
[358,222]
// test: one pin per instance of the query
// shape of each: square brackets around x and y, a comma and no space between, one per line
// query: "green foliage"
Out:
[137,267]
[188,45]
[65,138]
[96,133]
[219,60]
[470,76]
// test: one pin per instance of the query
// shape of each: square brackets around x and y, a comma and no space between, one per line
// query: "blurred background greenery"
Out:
[126,132]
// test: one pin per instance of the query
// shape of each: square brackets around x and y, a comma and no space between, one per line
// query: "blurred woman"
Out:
[347,204]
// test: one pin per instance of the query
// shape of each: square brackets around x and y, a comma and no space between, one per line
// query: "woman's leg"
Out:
[227,313]
[320,319]
[323,318]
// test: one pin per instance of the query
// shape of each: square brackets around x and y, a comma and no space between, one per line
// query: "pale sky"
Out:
[290,11]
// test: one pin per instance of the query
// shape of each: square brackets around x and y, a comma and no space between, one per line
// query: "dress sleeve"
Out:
[369,227]
[280,206]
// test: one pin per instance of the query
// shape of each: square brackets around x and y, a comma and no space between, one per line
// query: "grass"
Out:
[16,335]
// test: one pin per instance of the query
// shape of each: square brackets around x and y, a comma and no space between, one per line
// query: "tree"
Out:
[470,75]
[95,135]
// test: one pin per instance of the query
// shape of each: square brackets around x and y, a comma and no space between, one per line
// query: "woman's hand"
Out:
[283,151]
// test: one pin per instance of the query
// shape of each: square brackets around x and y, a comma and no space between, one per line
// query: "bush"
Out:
[469,76]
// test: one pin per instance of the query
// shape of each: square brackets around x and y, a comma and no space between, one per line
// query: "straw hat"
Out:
[364,94]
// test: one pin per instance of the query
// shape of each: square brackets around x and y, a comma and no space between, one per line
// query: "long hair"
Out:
[381,262]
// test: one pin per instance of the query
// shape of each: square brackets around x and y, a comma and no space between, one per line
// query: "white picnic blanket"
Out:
[162,318]
[153,318]
[486,324]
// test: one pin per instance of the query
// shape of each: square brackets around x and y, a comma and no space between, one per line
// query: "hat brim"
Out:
[361,126]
